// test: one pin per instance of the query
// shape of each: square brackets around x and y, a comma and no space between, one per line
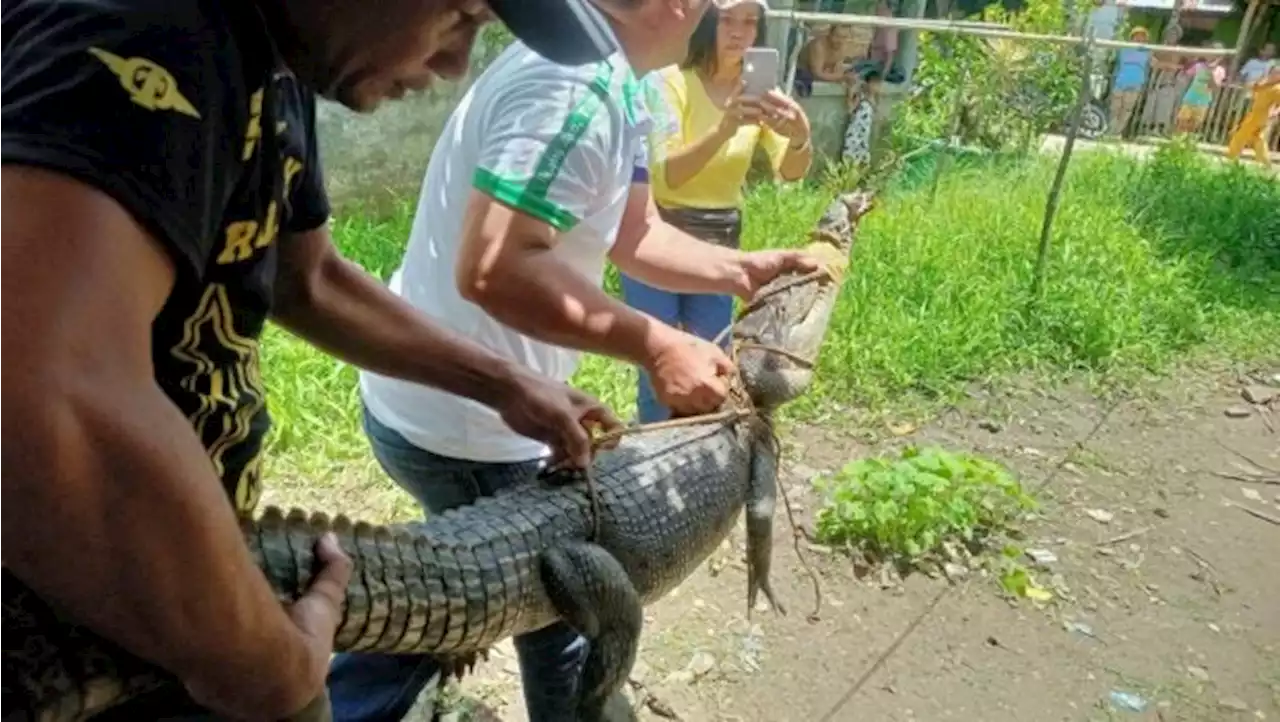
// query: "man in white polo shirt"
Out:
[540,177]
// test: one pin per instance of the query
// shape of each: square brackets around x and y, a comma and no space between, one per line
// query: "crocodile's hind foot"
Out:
[594,595]
[761,500]
[458,666]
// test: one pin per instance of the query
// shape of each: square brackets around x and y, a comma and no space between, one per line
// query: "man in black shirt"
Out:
[162,198]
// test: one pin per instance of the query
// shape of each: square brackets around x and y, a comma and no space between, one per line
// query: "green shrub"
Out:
[905,510]
[994,94]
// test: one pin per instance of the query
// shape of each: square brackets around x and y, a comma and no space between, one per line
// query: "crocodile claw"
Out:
[757,583]
[461,665]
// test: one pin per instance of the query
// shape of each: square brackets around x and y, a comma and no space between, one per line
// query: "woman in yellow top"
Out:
[697,173]
[1266,100]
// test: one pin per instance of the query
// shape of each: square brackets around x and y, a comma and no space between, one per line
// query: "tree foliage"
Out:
[993,93]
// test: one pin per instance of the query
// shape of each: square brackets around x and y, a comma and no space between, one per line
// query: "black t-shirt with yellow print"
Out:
[180,111]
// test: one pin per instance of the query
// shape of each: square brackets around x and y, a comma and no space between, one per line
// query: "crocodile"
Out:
[590,547]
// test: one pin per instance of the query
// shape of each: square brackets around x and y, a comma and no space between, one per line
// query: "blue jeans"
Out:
[383,687]
[701,314]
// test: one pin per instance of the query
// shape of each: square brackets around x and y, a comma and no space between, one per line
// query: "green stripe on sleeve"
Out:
[516,194]
[571,132]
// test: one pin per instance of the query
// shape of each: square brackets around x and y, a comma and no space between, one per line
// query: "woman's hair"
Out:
[702,46]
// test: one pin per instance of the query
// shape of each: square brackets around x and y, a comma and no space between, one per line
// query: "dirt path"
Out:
[1183,613]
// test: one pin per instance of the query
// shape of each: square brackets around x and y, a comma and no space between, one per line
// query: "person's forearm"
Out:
[347,312]
[342,309]
[670,259]
[682,165]
[543,297]
[112,513]
[540,296]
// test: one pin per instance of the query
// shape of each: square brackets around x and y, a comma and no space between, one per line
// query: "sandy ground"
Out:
[1174,600]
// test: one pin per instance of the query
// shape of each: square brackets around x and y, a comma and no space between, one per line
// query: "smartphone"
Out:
[759,71]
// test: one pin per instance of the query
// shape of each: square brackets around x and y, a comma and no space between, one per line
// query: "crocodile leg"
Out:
[760,503]
[593,594]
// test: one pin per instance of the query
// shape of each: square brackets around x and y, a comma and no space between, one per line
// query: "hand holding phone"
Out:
[759,71]
[739,110]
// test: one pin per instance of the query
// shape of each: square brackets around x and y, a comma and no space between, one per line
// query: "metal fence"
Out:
[1153,112]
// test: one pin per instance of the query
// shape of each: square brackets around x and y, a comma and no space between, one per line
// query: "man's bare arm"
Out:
[339,307]
[111,507]
[336,305]
[663,256]
[506,267]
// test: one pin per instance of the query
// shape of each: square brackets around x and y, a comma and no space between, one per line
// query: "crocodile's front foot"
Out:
[594,595]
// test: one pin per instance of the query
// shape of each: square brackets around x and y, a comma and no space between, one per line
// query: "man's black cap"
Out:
[567,32]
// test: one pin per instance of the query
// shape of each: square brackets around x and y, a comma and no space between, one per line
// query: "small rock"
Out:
[1258,394]
[818,548]
[1237,412]
[901,428]
[1127,701]
[1250,494]
[955,572]
[804,473]
[989,425]
[1199,673]
[1214,628]
[680,676]
[1102,516]
[1043,557]
[1079,628]
[1234,704]
[701,664]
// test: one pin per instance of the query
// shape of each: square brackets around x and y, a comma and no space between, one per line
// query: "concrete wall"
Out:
[381,156]
[828,118]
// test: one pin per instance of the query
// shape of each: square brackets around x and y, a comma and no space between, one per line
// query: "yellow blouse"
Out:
[719,183]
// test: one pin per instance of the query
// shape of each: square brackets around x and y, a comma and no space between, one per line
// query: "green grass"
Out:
[1152,265]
